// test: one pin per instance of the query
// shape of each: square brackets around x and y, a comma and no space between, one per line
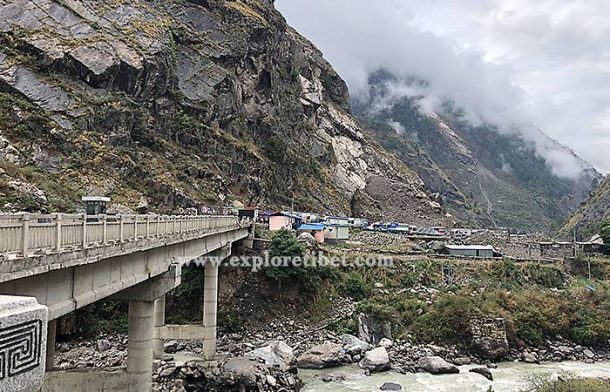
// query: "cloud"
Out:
[542,65]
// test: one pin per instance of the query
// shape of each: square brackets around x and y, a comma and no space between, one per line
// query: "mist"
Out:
[360,37]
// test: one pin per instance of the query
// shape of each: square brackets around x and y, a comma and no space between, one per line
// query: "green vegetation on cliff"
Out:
[432,301]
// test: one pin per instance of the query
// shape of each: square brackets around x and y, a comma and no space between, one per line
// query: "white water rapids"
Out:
[509,377]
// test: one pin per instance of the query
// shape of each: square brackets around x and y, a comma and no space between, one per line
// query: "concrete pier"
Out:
[23,343]
[51,335]
[159,322]
[210,305]
[140,345]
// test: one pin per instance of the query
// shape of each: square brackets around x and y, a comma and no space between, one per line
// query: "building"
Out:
[248,213]
[358,222]
[281,220]
[337,220]
[315,229]
[336,233]
[95,205]
[486,251]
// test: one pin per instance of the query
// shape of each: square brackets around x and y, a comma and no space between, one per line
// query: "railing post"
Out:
[58,219]
[25,234]
[147,226]
[135,228]
[157,226]
[121,229]
[84,216]
[104,230]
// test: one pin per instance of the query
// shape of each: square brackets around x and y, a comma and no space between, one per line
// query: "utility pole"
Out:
[574,244]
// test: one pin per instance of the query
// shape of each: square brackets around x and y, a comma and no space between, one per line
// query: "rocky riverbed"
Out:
[268,359]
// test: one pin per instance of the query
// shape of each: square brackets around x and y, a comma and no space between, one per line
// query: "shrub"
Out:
[539,315]
[543,382]
[545,275]
[346,326]
[229,322]
[356,286]
[446,320]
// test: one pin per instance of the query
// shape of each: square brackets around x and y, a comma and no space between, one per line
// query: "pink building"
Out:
[279,221]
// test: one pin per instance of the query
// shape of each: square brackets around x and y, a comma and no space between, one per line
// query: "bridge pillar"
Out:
[159,322]
[210,305]
[51,335]
[141,327]
[140,346]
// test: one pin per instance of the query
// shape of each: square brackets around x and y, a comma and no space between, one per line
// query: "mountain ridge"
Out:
[486,177]
[182,105]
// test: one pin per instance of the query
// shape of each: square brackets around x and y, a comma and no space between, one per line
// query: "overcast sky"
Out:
[540,62]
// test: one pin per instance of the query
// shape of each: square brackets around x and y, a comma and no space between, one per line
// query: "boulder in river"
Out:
[376,360]
[354,346]
[274,354]
[319,357]
[483,372]
[490,348]
[391,386]
[437,365]
[530,357]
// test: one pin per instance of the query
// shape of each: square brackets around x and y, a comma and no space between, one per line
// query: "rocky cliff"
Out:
[485,176]
[586,221]
[183,104]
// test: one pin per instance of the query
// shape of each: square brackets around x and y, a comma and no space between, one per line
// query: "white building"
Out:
[486,251]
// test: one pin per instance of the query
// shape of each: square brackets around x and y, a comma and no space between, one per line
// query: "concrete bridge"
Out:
[51,265]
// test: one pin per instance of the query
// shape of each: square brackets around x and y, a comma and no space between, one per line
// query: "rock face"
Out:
[319,357]
[373,330]
[183,103]
[590,214]
[376,360]
[437,365]
[274,354]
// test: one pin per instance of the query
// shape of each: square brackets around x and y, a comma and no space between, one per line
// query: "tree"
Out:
[284,244]
[605,233]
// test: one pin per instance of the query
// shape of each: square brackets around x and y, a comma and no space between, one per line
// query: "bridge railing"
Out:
[23,234]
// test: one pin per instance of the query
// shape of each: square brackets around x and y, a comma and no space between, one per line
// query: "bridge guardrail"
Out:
[22,234]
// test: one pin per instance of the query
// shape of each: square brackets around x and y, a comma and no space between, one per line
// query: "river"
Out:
[508,377]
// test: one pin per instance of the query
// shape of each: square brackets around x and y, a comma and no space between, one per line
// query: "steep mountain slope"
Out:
[586,221]
[182,104]
[485,177]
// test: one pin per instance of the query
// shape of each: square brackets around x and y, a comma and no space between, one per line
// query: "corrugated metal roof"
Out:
[312,226]
[470,247]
